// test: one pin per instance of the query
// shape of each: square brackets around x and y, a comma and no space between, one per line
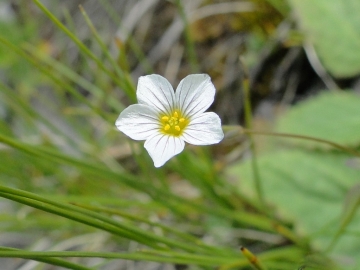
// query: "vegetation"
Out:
[280,191]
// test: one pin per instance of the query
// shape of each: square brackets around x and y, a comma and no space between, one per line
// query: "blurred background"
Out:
[61,90]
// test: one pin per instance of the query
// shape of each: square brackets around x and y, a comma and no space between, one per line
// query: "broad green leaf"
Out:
[331,116]
[352,202]
[333,28]
[309,188]
[351,205]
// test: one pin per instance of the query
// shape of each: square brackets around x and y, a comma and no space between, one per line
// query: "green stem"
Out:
[191,54]
[50,74]
[252,258]
[172,230]
[290,253]
[72,215]
[129,87]
[73,76]
[94,219]
[248,123]
[12,252]
[86,51]
[167,199]
[134,46]
[166,257]
[352,204]
[303,137]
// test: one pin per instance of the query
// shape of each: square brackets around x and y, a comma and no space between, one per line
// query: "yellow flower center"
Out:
[173,124]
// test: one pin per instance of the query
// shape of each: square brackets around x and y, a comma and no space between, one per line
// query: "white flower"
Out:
[166,120]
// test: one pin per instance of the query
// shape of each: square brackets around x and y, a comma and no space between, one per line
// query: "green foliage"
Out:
[315,189]
[14,66]
[330,116]
[332,27]
[309,191]
[67,174]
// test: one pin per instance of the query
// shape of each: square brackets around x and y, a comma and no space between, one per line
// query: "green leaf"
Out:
[308,188]
[333,28]
[333,116]
[351,205]
[352,202]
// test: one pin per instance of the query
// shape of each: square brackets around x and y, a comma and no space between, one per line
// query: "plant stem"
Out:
[248,123]
[96,220]
[351,206]
[130,88]
[304,137]
[252,259]
[82,47]
[168,199]
[35,257]
[190,47]
[142,255]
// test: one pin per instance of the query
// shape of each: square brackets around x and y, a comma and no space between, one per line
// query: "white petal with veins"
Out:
[163,147]
[139,122]
[204,129]
[166,120]
[156,91]
[195,94]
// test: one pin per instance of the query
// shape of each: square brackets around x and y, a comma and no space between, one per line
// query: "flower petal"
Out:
[138,121]
[195,94]
[163,147]
[204,129]
[155,91]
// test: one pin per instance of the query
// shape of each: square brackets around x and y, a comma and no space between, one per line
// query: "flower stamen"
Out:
[174,123]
